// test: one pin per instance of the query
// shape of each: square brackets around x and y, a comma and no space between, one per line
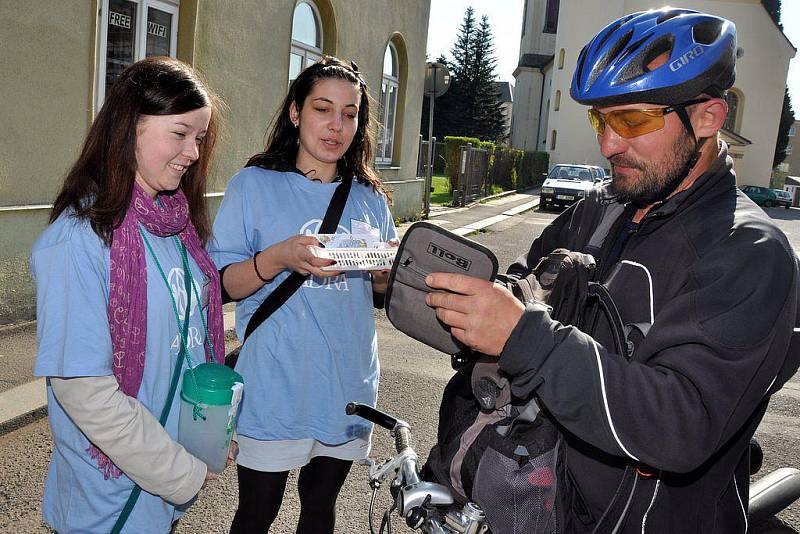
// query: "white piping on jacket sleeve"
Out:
[650,506]
[741,504]
[605,402]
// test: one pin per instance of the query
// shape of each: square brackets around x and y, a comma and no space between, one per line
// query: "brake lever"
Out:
[379,472]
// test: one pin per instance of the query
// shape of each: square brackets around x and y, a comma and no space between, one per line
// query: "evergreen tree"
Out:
[471,105]
[773,7]
[490,123]
[787,119]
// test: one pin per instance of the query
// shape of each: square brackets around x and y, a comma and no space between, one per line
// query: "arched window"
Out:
[390,86]
[306,38]
[553,138]
[557,101]
[733,111]
[561,59]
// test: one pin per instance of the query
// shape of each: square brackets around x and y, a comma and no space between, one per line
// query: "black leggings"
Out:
[261,495]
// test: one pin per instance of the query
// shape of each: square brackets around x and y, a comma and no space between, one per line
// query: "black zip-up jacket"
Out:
[718,282]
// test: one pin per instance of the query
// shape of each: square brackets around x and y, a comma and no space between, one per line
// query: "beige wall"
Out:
[47,61]
[761,76]
[247,62]
[242,48]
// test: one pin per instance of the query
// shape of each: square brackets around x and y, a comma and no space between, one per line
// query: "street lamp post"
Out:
[437,81]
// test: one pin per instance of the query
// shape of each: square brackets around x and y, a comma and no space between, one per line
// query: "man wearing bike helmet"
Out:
[706,286]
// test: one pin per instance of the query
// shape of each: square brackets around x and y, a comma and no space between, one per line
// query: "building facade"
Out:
[555,31]
[59,57]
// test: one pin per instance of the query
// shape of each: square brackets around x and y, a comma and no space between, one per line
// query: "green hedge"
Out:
[452,150]
[530,168]
[503,171]
[439,161]
[508,167]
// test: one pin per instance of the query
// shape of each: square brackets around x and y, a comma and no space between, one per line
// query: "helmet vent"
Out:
[707,32]
[666,16]
[608,33]
[645,62]
[610,57]
[656,49]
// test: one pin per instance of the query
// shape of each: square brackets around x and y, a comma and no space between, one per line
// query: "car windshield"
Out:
[783,194]
[568,172]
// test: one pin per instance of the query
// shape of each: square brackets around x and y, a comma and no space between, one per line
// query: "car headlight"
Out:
[548,190]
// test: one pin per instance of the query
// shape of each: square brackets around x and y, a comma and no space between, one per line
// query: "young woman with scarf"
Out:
[318,351]
[127,297]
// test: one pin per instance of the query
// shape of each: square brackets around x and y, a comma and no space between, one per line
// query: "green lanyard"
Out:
[184,351]
[188,278]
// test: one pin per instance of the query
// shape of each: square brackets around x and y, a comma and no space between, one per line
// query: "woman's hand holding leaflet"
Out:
[297,254]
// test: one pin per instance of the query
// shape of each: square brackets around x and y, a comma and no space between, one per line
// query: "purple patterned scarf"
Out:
[127,304]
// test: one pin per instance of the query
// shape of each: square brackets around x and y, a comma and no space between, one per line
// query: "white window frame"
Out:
[310,54]
[384,157]
[140,38]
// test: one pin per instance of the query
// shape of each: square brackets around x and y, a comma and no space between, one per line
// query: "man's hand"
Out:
[480,314]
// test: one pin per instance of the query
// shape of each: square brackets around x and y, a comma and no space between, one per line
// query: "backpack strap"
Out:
[610,211]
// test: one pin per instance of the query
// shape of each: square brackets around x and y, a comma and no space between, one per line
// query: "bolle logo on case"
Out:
[684,60]
[449,257]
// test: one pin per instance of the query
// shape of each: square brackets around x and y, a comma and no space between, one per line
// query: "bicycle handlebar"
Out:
[422,504]
[371,414]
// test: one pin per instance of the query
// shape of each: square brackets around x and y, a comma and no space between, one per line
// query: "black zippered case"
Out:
[427,248]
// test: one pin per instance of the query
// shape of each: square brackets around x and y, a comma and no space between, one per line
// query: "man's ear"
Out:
[709,117]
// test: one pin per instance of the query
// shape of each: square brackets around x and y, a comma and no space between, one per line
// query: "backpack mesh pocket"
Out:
[518,494]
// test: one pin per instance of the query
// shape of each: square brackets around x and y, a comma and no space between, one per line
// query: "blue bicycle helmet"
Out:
[613,68]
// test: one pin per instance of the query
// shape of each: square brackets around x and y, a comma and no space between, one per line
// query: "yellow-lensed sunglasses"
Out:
[629,123]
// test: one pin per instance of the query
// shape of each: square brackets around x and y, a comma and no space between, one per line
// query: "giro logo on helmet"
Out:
[684,60]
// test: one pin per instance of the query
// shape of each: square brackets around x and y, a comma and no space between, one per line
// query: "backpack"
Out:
[506,454]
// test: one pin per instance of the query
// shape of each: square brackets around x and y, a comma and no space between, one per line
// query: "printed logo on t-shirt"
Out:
[331,283]
[177,285]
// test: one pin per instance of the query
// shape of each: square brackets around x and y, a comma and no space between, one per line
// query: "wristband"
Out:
[255,268]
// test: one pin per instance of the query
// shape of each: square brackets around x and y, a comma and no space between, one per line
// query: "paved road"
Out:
[413,377]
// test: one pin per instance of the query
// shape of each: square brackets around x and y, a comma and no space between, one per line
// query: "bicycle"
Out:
[426,506]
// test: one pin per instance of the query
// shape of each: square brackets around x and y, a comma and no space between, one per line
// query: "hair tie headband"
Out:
[354,67]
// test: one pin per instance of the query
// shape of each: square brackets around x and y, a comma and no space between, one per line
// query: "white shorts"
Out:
[275,456]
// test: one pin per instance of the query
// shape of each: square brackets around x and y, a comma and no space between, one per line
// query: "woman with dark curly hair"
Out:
[318,351]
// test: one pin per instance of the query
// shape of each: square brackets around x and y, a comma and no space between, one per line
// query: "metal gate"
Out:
[472,175]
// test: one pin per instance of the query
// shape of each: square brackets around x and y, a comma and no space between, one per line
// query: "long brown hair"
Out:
[281,150]
[99,185]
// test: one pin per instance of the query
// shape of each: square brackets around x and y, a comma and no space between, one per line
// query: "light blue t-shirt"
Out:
[318,351]
[71,267]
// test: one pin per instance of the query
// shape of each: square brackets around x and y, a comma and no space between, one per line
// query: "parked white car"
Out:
[566,184]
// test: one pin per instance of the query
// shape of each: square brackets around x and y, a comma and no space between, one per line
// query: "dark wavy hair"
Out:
[281,149]
[99,185]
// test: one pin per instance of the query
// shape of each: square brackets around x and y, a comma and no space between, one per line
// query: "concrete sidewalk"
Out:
[23,398]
